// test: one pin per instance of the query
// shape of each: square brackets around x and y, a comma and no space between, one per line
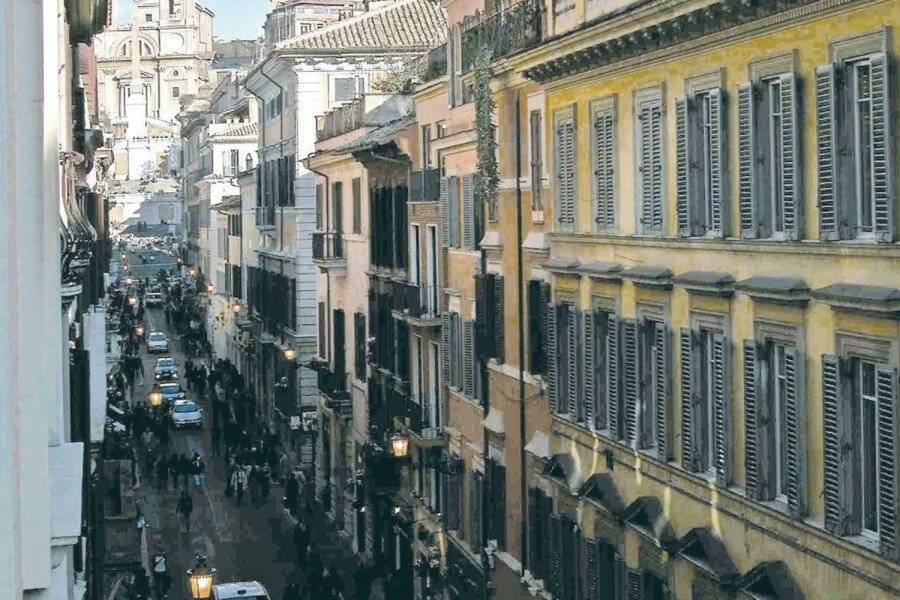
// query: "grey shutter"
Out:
[556,562]
[588,380]
[722,407]
[882,173]
[688,345]
[826,145]
[565,172]
[455,352]
[475,511]
[552,360]
[445,211]
[717,164]
[682,168]
[445,348]
[469,358]
[746,162]
[612,374]
[630,377]
[661,389]
[590,554]
[838,447]
[754,446]
[605,168]
[468,212]
[651,168]
[888,460]
[572,352]
[497,318]
[633,583]
[453,212]
[791,169]
[795,431]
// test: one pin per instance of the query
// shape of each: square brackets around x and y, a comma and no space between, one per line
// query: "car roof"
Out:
[169,384]
[183,402]
[158,334]
[238,589]
[166,360]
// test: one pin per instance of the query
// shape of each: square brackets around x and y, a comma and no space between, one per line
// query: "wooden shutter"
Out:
[746,162]
[794,444]
[650,169]
[569,533]
[590,570]
[612,374]
[552,360]
[630,377]
[605,168]
[476,539]
[468,212]
[826,146]
[688,345]
[572,351]
[455,352]
[791,169]
[722,408]
[445,348]
[754,447]
[556,559]
[682,168]
[497,318]
[445,211]
[565,172]
[838,448]
[483,331]
[453,212]
[882,135]
[633,582]
[888,460]
[717,158]
[588,379]
[534,532]
[660,391]
[468,335]
[498,504]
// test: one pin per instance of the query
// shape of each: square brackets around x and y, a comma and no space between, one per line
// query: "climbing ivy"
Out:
[487,179]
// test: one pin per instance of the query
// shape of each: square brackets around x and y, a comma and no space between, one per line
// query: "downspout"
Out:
[325,210]
[520,282]
[280,151]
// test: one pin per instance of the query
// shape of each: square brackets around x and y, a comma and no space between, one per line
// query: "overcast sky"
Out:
[235,19]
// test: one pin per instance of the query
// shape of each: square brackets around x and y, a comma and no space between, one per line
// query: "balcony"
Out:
[508,32]
[347,117]
[434,64]
[334,387]
[425,186]
[265,216]
[328,249]
[415,415]
[410,303]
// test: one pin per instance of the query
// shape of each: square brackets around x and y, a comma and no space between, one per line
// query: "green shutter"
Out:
[791,169]
[468,212]
[754,441]
[717,165]
[604,135]
[565,172]
[837,439]
[468,349]
[588,378]
[445,348]
[572,353]
[650,168]
[688,346]
[552,359]
[630,380]
[497,318]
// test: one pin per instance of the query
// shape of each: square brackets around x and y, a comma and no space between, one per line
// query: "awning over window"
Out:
[647,515]
[705,549]
[771,580]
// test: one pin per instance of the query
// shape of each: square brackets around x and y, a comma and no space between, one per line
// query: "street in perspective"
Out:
[450,300]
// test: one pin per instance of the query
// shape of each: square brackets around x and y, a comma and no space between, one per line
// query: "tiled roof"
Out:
[240,130]
[406,24]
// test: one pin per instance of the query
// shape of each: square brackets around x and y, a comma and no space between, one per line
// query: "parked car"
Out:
[186,413]
[165,369]
[240,590]
[153,298]
[157,342]
[171,392]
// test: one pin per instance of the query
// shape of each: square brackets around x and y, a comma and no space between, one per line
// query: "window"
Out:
[540,508]
[458,211]
[700,164]
[538,305]
[489,309]
[564,151]
[323,334]
[496,494]
[649,157]
[176,92]
[431,275]
[414,254]
[646,383]
[537,159]
[359,339]
[337,207]
[867,405]
[415,379]
[320,201]
[148,17]
[855,179]
[452,351]
[452,489]
[603,161]
[344,89]
[706,403]
[434,418]
[426,147]
[357,205]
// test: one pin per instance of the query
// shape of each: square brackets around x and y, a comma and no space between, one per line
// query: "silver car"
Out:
[157,342]
[186,413]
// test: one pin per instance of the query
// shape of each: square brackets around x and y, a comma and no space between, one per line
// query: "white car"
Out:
[158,342]
[153,299]
[240,590]
[186,413]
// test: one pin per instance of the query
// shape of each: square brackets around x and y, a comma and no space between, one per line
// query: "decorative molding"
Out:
[771,66]
[860,44]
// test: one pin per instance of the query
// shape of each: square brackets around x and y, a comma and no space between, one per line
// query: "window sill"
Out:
[865,541]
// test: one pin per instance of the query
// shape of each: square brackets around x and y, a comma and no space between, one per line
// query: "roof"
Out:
[380,136]
[239,589]
[239,130]
[406,24]
[228,203]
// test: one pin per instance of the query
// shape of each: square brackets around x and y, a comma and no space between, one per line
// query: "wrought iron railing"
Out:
[506,32]
[327,245]
[434,64]
[265,216]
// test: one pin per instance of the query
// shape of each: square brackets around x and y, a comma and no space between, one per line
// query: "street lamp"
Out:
[192,271]
[139,330]
[155,397]
[129,281]
[200,579]
[132,301]
[209,288]
[399,445]
[289,354]
[236,307]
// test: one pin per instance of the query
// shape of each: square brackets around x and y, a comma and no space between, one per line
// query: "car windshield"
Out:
[170,388]
[157,337]
[165,362]
[186,407]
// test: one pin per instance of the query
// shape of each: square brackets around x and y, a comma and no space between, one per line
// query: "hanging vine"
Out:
[487,179]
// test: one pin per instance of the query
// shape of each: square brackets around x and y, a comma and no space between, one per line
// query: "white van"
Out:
[240,590]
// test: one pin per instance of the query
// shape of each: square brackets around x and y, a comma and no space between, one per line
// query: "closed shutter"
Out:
[661,389]
[826,146]
[556,559]
[791,189]
[717,183]
[552,360]
[612,374]
[570,535]
[455,352]
[565,172]
[468,211]
[476,539]
[651,165]
[534,532]
[497,318]
[588,379]
[605,168]
[722,407]
[754,446]
[572,353]
[634,585]
[682,168]
[445,211]
[882,173]
[795,431]
[746,162]
[468,358]
[888,460]
[688,345]
[590,570]
[483,330]
[498,504]
[453,506]
[837,440]
[453,212]
[630,378]
[445,348]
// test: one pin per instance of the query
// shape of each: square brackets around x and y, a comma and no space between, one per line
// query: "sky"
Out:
[235,19]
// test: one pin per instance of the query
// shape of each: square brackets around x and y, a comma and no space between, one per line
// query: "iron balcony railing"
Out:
[506,32]
[420,419]
[411,300]
[265,216]
[434,64]
[327,245]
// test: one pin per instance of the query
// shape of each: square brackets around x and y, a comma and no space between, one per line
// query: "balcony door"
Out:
[340,351]
[434,387]
[431,269]
[414,254]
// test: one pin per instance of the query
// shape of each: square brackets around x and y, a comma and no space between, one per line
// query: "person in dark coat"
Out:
[291,490]
[301,541]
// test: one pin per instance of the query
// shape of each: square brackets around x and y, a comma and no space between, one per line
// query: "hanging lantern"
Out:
[399,445]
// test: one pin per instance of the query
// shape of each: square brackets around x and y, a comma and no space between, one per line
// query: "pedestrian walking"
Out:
[161,578]
[185,508]
[198,466]
[184,468]
[301,541]
[240,484]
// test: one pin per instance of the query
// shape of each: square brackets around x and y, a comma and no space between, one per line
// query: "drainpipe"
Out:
[325,207]
[520,282]
[281,151]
